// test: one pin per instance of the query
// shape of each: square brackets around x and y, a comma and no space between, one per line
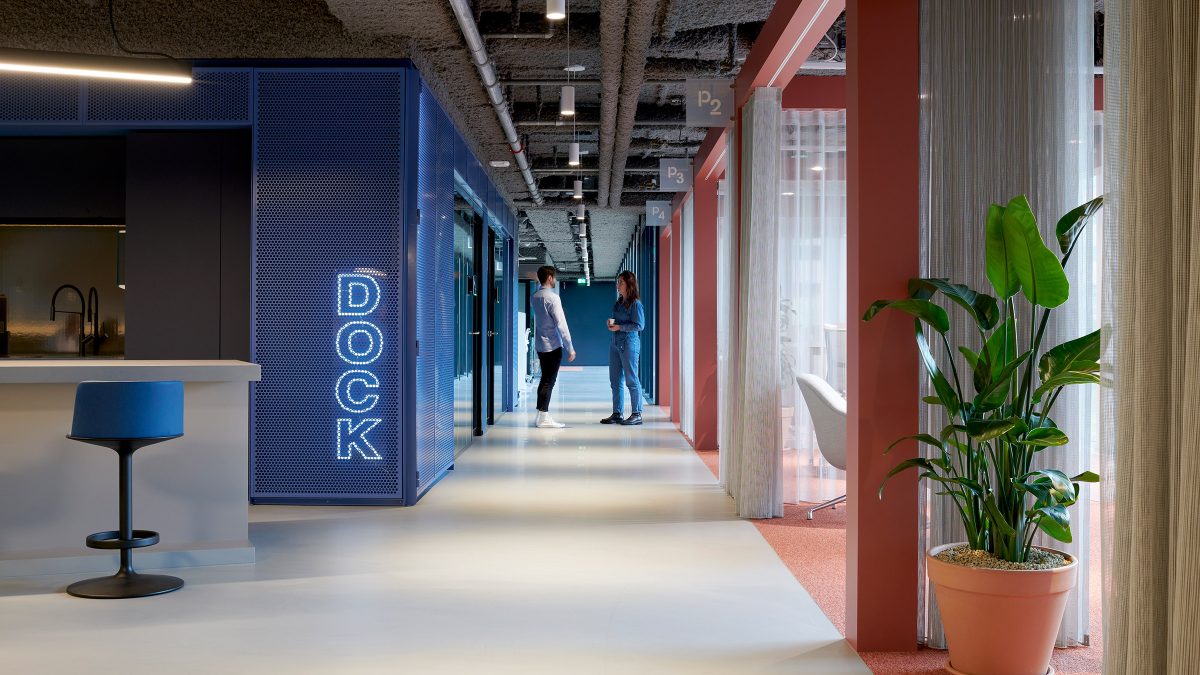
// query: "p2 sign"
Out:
[674,175]
[658,213]
[709,103]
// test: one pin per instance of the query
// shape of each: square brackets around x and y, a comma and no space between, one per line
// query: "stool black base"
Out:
[125,585]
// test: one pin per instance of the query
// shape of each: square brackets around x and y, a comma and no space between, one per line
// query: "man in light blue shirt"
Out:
[551,338]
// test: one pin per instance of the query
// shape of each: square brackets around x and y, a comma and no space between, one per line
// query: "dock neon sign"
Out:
[359,344]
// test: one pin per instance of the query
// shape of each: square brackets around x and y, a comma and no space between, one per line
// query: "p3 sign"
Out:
[709,103]
[658,213]
[674,175]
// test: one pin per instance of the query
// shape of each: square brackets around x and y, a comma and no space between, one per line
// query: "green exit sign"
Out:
[581,281]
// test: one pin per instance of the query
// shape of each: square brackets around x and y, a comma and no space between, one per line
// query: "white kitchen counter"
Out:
[54,491]
[74,371]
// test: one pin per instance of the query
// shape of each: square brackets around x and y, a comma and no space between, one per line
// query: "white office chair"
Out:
[828,412]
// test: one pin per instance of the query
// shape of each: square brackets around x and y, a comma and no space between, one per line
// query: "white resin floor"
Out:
[594,549]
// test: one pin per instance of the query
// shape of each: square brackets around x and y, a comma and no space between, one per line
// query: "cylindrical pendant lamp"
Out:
[566,104]
[578,189]
[556,10]
[573,154]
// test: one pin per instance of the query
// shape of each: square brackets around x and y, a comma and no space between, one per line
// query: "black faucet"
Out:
[93,316]
[55,311]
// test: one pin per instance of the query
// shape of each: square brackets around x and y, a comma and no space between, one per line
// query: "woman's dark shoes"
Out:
[632,420]
[614,418]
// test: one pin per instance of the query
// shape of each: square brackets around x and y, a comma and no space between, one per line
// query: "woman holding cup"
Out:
[627,321]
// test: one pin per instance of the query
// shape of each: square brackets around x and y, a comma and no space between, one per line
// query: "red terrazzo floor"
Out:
[815,552]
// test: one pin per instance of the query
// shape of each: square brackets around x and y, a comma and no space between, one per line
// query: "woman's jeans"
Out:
[623,358]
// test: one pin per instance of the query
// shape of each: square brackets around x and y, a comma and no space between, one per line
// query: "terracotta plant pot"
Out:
[1000,622]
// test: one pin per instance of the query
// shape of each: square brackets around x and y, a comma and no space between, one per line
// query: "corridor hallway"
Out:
[591,549]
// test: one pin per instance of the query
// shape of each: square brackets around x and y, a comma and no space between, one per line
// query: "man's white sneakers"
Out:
[545,421]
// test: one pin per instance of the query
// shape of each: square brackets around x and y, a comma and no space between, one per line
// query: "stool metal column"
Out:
[126,416]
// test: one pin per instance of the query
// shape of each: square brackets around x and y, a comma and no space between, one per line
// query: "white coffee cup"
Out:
[612,321]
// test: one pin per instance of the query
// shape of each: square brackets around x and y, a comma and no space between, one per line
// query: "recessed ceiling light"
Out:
[818,168]
[499,163]
[789,194]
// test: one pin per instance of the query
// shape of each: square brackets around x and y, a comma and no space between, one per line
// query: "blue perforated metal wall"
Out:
[328,151]
[443,154]
[341,155]
[435,293]
[216,97]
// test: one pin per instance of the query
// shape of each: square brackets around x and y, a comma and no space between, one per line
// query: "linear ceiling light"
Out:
[87,65]
[556,10]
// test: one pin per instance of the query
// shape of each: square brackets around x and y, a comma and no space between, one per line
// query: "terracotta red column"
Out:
[666,357]
[882,115]
[704,310]
[676,267]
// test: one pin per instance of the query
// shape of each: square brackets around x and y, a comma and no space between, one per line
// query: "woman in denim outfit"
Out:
[628,320]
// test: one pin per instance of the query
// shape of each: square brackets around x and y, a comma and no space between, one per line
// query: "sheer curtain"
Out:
[1152,316]
[812,289]
[1007,92]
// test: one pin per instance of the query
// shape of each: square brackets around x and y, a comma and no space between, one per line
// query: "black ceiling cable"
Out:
[112,24]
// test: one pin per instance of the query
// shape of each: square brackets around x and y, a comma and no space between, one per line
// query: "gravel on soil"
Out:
[1039,559]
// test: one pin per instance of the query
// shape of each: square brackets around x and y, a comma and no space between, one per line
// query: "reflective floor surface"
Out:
[591,549]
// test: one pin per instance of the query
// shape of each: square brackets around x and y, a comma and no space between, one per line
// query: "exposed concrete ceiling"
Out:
[625,125]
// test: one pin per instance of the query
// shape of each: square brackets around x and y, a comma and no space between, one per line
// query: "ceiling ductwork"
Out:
[612,56]
[638,32]
[491,83]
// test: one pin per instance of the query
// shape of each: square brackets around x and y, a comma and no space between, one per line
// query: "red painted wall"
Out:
[666,357]
[704,311]
[883,156]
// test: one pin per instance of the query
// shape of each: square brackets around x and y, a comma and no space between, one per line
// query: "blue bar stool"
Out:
[125,416]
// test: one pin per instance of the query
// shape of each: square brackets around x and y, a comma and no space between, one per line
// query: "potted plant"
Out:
[1001,597]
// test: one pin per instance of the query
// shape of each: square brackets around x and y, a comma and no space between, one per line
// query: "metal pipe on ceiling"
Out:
[582,123]
[583,82]
[518,36]
[491,83]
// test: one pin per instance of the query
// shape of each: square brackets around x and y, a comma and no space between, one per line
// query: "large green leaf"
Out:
[1071,225]
[1038,270]
[1000,267]
[1055,521]
[1062,381]
[1059,484]
[924,438]
[998,520]
[985,430]
[980,306]
[1045,436]
[920,462]
[999,350]
[996,393]
[1086,477]
[1080,355]
[924,310]
[940,384]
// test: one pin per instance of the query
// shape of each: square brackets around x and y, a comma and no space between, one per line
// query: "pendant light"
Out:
[578,189]
[573,154]
[566,102]
[556,10]
[581,214]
